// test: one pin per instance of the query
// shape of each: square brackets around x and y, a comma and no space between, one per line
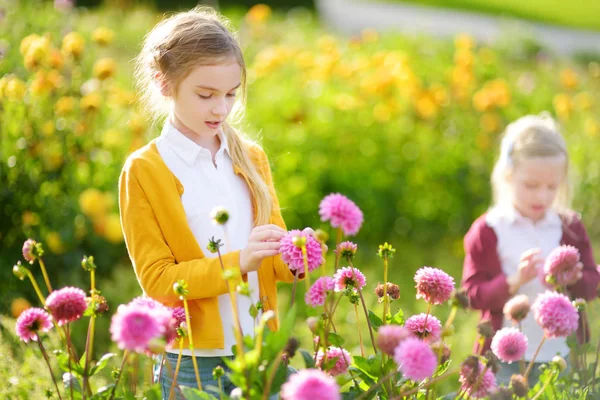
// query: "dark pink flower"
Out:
[415,359]
[32,321]
[469,380]
[66,305]
[342,357]
[341,212]
[318,291]
[509,344]
[292,254]
[310,384]
[179,315]
[349,277]
[390,336]
[434,285]
[561,265]
[555,314]
[426,327]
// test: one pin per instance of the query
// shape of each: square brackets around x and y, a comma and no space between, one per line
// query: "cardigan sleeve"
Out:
[483,278]
[586,287]
[281,270]
[154,263]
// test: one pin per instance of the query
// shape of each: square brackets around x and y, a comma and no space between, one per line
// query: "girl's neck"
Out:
[212,143]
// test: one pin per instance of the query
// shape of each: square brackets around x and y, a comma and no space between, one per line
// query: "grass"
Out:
[584,14]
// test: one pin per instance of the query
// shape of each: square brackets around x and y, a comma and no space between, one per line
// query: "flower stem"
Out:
[45,274]
[385,294]
[294,289]
[37,288]
[306,276]
[43,350]
[362,349]
[338,240]
[239,337]
[451,317]
[112,395]
[362,300]
[534,356]
[89,343]
[174,383]
[69,345]
[430,382]
[191,342]
[272,375]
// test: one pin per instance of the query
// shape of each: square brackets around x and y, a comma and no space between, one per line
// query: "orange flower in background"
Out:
[258,14]
[30,218]
[569,78]
[90,102]
[563,105]
[103,36]
[105,68]
[463,58]
[73,45]
[493,94]
[426,105]
[55,59]
[490,122]
[54,242]
[464,41]
[18,305]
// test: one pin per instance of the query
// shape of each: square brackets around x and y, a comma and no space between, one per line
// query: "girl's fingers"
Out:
[267,234]
[265,253]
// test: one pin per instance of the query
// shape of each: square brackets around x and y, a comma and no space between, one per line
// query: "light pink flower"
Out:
[509,344]
[310,384]
[517,308]
[469,378]
[292,255]
[66,305]
[28,251]
[341,212]
[415,359]
[433,285]
[346,250]
[342,357]
[555,314]
[345,277]
[561,263]
[318,291]
[32,321]
[426,327]
[390,336]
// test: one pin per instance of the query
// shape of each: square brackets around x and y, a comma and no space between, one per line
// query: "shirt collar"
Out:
[186,148]
[512,215]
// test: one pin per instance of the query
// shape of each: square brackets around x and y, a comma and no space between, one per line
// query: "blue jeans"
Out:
[187,377]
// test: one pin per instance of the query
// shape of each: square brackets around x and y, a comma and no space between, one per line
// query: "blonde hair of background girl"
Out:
[530,137]
[173,48]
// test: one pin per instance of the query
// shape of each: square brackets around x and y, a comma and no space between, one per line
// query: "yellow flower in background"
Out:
[490,122]
[52,155]
[426,106]
[464,41]
[36,52]
[48,128]
[103,36]
[494,93]
[73,45]
[258,14]
[105,68]
[346,102]
[64,105]
[112,229]
[112,139]
[92,203]
[121,97]
[327,44]
[56,60]
[90,102]
[482,101]
[18,305]
[137,124]
[54,242]
[29,218]
[440,94]
[463,58]
[568,78]
[15,89]
[563,105]
[27,42]
[591,127]
[369,35]
[40,85]
[583,101]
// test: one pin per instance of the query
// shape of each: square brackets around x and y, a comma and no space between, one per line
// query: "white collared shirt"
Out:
[517,234]
[205,187]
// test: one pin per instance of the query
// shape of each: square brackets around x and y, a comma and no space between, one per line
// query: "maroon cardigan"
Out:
[485,282]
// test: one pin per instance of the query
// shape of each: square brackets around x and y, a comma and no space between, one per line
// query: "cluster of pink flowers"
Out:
[31,322]
[434,285]
[310,384]
[509,344]
[292,255]
[342,357]
[349,277]
[415,359]
[555,314]
[561,265]
[341,212]
[66,305]
[469,378]
[426,327]
[141,324]
[390,336]
[318,291]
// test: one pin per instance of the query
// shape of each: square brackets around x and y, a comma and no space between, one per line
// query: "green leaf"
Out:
[370,366]
[397,319]
[153,392]
[101,364]
[70,380]
[376,322]
[104,392]
[309,360]
[335,339]
[365,377]
[195,394]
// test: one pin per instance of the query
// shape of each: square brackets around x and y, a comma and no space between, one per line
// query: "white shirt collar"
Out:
[186,148]
[513,216]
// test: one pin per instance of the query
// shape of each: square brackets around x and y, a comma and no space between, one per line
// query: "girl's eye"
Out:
[204,97]
[530,186]
[231,94]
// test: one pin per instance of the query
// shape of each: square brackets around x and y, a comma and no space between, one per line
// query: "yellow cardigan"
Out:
[164,250]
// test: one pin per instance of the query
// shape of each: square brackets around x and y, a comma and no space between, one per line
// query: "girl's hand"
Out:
[528,267]
[262,243]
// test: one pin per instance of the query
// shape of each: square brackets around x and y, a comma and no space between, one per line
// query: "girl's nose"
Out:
[220,108]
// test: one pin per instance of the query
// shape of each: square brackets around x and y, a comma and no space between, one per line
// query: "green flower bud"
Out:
[386,250]
[87,263]
[299,241]
[214,245]
[218,372]
[219,215]
[321,235]
[180,288]
[20,270]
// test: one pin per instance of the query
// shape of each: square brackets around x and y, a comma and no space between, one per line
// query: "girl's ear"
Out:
[163,84]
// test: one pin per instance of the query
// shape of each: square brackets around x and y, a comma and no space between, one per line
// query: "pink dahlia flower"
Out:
[292,255]
[341,212]
[561,264]
[555,314]
[415,359]
[66,305]
[342,357]
[390,336]
[349,277]
[509,344]
[426,327]
[318,291]
[469,380]
[310,384]
[434,285]
[32,321]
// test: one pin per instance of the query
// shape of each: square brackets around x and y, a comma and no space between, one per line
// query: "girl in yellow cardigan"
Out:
[191,72]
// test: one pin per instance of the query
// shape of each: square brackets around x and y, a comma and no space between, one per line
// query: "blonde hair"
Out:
[172,49]
[526,138]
